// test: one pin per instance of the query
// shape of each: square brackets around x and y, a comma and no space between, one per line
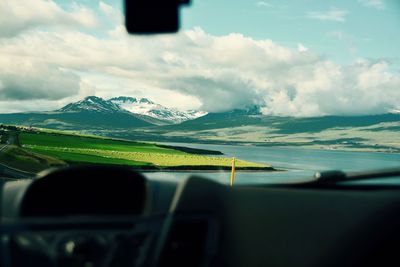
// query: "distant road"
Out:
[2,147]
[10,172]
[6,171]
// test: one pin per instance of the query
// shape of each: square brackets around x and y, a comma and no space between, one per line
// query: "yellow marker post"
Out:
[233,172]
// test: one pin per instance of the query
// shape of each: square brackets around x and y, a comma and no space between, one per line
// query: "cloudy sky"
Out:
[297,58]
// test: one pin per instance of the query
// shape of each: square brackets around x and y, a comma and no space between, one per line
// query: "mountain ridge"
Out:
[91,103]
[94,112]
[144,106]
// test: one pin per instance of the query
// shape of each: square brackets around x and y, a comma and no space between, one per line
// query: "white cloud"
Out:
[301,48]
[333,14]
[25,78]
[361,88]
[263,4]
[377,4]
[19,15]
[111,12]
[192,69]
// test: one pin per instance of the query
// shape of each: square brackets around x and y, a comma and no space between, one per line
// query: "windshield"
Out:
[262,91]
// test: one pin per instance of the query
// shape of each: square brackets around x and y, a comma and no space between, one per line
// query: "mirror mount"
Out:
[153,16]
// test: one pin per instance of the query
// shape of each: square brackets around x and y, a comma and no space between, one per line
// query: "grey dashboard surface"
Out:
[279,225]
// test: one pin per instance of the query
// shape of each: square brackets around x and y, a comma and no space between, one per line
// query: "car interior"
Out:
[114,216]
[195,222]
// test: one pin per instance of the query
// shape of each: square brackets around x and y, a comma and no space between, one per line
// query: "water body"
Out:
[300,164]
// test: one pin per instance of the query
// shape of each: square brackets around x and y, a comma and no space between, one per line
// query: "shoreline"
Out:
[331,147]
[211,170]
[204,168]
[208,171]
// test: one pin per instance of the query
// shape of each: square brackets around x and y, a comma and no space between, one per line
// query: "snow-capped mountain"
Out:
[144,106]
[141,108]
[92,103]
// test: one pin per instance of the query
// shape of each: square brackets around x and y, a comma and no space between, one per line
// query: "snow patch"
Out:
[144,106]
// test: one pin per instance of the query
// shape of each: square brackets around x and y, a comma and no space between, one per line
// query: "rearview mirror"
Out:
[152,16]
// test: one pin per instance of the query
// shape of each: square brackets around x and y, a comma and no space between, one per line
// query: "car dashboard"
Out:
[107,216]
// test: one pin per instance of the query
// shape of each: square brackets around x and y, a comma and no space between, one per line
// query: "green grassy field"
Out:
[86,149]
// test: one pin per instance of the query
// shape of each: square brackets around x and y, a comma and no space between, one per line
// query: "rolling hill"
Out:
[365,133]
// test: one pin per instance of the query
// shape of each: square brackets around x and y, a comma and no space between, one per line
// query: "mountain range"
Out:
[95,112]
[143,119]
